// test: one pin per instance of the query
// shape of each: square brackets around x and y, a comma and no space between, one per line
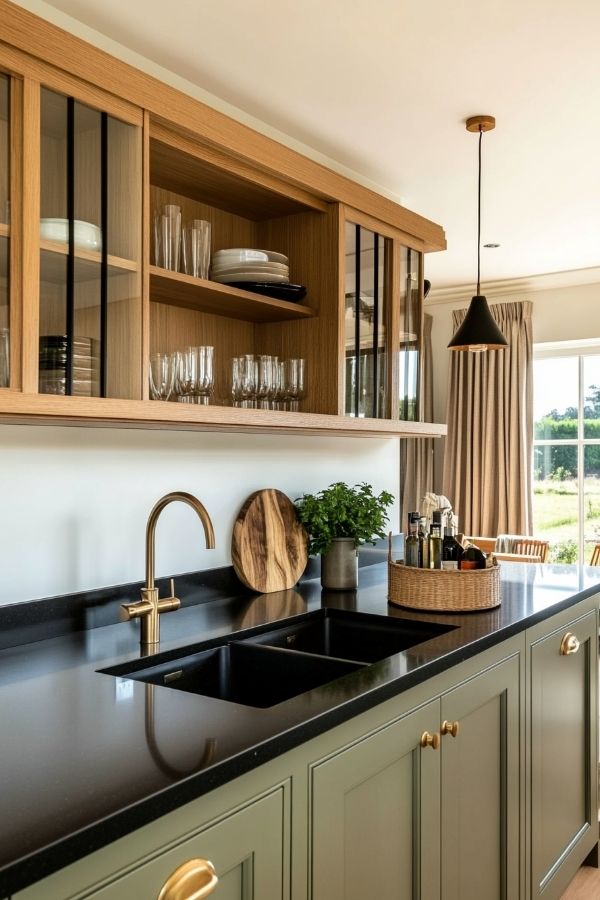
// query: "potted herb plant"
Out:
[338,520]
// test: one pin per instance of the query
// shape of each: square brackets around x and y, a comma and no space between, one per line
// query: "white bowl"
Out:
[247,254]
[87,236]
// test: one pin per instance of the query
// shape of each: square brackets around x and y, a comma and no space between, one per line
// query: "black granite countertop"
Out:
[77,769]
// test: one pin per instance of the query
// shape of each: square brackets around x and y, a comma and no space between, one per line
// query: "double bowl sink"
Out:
[277,662]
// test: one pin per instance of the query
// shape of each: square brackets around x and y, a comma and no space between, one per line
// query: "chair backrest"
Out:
[518,557]
[531,547]
[595,560]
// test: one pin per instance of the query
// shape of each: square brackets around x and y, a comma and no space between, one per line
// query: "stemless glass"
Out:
[243,380]
[264,380]
[185,375]
[161,376]
[205,372]
[295,382]
[171,237]
[196,248]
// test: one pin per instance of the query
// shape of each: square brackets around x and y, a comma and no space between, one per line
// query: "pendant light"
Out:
[479,330]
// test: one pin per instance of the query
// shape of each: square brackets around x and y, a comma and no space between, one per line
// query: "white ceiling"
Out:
[384,87]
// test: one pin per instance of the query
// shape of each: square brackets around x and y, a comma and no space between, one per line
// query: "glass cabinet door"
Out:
[366,314]
[383,330]
[90,237]
[409,347]
[4,231]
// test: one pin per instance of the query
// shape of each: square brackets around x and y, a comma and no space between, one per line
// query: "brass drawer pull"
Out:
[450,728]
[192,880]
[430,740]
[569,644]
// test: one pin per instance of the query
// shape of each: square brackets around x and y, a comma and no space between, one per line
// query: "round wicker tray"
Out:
[443,590]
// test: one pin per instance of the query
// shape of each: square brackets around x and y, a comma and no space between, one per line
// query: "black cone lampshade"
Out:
[479,330]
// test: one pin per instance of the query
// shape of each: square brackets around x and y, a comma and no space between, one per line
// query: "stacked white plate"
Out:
[246,265]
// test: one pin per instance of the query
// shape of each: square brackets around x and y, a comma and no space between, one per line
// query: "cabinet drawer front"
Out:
[480,787]
[375,809]
[246,850]
[564,713]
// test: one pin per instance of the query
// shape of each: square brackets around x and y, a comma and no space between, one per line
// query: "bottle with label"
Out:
[451,549]
[411,543]
[435,540]
[472,558]
[423,543]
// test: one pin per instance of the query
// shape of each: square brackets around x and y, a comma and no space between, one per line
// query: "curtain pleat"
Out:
[416,454]
[488,453]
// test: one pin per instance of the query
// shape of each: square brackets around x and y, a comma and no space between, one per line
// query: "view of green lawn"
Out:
[556,515]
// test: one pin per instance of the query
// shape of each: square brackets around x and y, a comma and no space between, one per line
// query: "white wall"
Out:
[75,500]
[559,314]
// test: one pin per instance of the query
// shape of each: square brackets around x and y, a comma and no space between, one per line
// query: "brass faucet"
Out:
[149,608]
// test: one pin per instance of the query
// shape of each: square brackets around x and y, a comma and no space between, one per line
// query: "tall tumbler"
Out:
[171,237]
[295,382]
[196,248]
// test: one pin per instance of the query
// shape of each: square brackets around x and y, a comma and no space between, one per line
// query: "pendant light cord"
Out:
[479,218]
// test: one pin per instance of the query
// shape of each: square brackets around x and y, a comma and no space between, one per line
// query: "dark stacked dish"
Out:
[53,365]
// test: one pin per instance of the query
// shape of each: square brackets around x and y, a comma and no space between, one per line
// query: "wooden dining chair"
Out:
[532,547]
[595,560]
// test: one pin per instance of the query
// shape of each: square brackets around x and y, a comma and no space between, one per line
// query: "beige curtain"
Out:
[487,459]
[416,454]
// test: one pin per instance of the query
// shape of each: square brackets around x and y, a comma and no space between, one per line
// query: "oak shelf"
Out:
[87,263]
[177,289]
[53,409]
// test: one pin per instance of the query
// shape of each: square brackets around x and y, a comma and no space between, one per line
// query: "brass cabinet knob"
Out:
[430,740]
[450,728]
[569,644]
[192,880]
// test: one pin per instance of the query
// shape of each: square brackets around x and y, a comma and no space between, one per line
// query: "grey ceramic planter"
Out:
[339,566]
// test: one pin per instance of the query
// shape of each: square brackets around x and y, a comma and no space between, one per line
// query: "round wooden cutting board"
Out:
[268,545]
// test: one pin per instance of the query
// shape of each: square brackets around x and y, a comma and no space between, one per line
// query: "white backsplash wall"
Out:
[75,501]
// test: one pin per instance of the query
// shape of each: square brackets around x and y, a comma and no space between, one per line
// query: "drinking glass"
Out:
[264,380]
[243,380]
[170,230]
[185,375]
[204,370]
[196,248]
[161,375]
[4,357]
[295,383]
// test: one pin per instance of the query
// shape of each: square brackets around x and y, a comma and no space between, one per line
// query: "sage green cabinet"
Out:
[563,750]
[375,818]
[396,817]
[247,848]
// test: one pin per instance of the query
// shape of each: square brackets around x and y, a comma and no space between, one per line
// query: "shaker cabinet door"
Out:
[563,746]
[480,786]
[375,815]
[246,850]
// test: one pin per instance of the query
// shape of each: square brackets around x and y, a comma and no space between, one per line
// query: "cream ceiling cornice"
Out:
[511,286]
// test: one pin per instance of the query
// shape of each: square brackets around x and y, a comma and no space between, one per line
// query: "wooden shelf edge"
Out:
[116,262]
[178,289]
[4,230]
[51,409]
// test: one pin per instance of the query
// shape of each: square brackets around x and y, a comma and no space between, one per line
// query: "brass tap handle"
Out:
[192,880]
[137,610]
[430,740]
[450,728]
[569,644]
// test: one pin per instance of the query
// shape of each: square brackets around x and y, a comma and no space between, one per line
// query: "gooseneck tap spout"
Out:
[149,608]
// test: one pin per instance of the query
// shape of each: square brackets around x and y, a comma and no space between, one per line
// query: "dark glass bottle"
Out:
[435,540]
[423,543]
[411,544]
[451,550]
[472,558]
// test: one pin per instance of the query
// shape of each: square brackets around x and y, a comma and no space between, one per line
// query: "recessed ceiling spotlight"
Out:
[491,246]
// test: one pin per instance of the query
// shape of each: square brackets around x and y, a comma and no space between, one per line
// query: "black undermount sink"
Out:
[279,662]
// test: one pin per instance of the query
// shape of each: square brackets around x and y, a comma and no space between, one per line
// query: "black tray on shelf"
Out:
[282,291]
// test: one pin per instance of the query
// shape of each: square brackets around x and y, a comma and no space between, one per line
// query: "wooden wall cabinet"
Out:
[101,143]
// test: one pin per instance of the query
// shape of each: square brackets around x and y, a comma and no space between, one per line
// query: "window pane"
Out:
[555,393]
[555,500]
[591,395]
[591,498]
